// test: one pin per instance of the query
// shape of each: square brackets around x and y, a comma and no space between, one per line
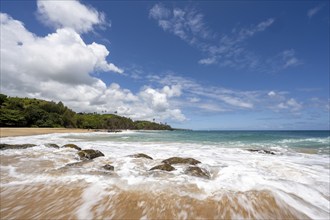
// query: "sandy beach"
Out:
[14,132]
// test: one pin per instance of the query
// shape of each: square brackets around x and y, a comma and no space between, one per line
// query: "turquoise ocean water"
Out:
[314,141]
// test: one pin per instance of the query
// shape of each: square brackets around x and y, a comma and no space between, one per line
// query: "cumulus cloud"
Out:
[59,66]
[61,56]
[159,101]
[69,14]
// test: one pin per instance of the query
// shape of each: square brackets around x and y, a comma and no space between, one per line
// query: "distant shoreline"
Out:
[14,132]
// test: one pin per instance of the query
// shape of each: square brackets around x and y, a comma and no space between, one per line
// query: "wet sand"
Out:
[75,200]
[14,132]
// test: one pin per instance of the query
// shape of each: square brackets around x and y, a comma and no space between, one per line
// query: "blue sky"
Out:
[198,65]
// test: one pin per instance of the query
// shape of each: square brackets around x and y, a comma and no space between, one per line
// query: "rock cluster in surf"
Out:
[87,155]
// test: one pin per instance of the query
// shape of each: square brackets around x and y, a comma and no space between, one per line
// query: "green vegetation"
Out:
[27,112]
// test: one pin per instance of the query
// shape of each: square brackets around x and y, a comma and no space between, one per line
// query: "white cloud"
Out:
[195,95]
[172,91]
[207,61]
[231,52]
[69,14]
[271,94]
[289,58]
[159,12]
[211,107]
[313,11]
[283,60]
[194,99]
[61,56]
[58,67]
[226,99]
[290,104]
[158,100]
[225,50]
[237,102]
[252,30]
[185,23]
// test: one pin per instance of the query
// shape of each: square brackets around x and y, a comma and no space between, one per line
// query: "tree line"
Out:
[31,112]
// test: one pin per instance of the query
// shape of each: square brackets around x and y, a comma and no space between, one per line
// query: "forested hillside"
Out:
[27,112]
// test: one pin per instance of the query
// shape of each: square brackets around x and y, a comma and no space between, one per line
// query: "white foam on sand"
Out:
[301,180]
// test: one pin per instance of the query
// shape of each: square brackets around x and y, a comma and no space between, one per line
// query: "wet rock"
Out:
[77,164]
[165,167]
[141,156]
[114,131]
[108,167]
[198,172]
[52,145]
[178,160]
[261,151]
[89,154]
[72,146]
[16,146]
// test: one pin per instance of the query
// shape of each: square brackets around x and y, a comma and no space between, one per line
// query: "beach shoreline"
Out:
[15,132]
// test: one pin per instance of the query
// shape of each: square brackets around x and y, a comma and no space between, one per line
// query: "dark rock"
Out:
[72,146]
[261,151]
[141,156]
[114,131]
[52,145]
[166,167]
[77,164]
[108,167]
[89,154]
[177,160]
[16,146]
[198,172]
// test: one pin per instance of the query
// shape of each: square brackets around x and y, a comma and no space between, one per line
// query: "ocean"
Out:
[249,175]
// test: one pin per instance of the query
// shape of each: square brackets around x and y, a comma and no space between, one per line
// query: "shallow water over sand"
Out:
[43,182]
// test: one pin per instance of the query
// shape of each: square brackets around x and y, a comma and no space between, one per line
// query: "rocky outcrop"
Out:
[52,145]
[15,146]
[181,160]
[108,167]
[141,156]
[165,167]
[261,151]
[72,146]
[89,154]
[198,172]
